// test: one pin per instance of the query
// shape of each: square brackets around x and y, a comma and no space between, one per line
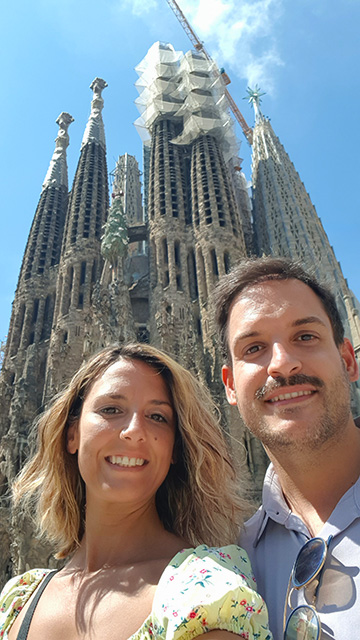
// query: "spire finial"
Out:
[254,98]
[57,172]
[97,85]
[95,127]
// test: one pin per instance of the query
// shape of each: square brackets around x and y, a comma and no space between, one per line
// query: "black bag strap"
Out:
[24,629]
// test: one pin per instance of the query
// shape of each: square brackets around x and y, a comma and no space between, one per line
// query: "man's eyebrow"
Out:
[297,323]
[246,335]
[308,320]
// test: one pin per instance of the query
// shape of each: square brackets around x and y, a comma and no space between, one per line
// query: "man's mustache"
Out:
[277,383]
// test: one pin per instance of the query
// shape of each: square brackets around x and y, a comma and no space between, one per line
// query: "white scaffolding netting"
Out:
[187,89]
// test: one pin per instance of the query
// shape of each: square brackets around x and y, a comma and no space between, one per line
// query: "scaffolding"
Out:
[187,89]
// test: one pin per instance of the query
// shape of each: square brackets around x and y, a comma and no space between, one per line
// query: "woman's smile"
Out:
[126,462]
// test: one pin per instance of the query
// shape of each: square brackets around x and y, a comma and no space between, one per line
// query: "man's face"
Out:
[288,378]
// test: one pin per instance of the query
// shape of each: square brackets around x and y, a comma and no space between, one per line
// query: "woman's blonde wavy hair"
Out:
[198,500]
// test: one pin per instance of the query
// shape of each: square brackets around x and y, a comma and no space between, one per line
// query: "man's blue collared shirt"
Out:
[273,538]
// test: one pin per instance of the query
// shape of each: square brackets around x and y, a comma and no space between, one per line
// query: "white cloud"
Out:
[139,7]
[240,34]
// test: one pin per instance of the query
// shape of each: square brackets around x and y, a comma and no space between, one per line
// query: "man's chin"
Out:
[283,432]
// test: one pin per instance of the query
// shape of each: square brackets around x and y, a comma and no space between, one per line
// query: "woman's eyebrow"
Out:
[120,396]
[112,396]
[160,402]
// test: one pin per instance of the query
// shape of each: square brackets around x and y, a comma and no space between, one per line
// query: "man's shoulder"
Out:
[251,529]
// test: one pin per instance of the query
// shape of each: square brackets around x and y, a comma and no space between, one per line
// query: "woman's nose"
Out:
[134,429]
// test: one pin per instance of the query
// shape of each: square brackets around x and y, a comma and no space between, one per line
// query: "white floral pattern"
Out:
[200,590]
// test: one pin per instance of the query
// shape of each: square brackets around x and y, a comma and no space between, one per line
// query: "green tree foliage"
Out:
[115,239]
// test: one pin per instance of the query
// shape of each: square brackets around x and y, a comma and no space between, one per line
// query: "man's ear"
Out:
[72,437]
[348,356]
[228,380]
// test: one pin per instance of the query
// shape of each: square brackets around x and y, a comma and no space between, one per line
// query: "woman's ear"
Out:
[72,437]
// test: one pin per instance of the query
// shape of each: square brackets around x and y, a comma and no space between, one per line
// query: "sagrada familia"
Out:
[145,268]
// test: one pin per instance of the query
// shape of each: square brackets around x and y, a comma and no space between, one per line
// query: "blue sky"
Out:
[303,53]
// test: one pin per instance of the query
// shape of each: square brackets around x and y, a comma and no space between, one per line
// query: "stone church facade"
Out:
[87,264]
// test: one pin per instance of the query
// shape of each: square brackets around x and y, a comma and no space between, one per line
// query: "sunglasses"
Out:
[303,622]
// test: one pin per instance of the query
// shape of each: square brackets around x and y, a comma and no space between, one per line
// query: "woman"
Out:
[131,470]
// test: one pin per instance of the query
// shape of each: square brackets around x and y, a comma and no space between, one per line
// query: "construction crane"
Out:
[199,46]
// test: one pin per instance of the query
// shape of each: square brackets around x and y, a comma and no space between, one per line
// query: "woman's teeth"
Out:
[124,461]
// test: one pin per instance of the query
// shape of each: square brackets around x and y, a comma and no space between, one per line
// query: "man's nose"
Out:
[134,429]
[284,362]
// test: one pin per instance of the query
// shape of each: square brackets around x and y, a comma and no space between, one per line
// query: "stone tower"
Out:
[127,180]
[195,232]
[136,265]
[23,372]
[195,211]
[80,261]
[286,223]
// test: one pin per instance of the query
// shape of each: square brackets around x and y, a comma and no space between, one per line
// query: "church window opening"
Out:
[93,272]
[18,330]
[214,262]
[71,277]
[153,261]
[202,280]
[193,284]
[47,317]
[82,273]
[227,264]
[165,262]
[177,253]
[35,310]
[178,282]
[177,265]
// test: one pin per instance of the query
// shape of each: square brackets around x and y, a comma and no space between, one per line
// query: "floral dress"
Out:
[200,590]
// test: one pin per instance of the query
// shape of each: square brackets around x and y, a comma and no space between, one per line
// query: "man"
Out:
[288,369]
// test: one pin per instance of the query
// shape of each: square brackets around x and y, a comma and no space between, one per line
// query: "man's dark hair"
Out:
[251,271]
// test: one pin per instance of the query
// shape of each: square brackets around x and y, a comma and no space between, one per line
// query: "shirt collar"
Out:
[275,507]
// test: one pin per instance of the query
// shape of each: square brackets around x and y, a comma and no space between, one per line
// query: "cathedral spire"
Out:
[254,98]
[80,261]
[23,372]
[95,127]
[57,171]
[286,223]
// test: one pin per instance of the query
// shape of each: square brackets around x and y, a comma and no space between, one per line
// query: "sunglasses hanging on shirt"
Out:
[303,622]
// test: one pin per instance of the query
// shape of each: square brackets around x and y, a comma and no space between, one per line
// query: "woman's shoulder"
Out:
[23,580]
[15,594]
[230,558]
[207,588]
[210,573]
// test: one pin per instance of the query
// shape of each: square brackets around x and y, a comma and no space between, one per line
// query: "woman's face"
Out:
[125,434]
